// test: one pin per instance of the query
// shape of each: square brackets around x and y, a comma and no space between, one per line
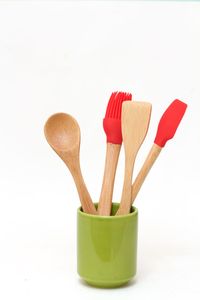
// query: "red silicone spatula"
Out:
[112,128]
[167,127]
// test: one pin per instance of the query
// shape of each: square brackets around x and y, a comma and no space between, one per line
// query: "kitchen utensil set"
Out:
[125,121]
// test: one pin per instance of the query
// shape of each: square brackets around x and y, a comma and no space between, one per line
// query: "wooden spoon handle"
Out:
[105,201]
[151,158]
[85,199]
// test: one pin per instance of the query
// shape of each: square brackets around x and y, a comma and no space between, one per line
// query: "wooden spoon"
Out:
[63,135]
[135,123]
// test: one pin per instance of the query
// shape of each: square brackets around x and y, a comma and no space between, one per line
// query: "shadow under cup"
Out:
[107,247]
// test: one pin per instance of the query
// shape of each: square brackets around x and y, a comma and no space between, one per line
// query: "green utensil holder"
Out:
[107,247]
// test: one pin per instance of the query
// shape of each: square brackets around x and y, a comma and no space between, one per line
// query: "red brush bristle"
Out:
[111,105]
[112,120]
[114,106]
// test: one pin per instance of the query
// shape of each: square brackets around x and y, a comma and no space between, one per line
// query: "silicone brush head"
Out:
[112,120]
[169,122]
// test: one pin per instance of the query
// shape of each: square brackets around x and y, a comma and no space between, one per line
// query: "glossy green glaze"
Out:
[107,247]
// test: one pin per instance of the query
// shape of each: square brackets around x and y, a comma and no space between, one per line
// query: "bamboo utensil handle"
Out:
[151,158]
[105,201]
[85,199]
[125,203]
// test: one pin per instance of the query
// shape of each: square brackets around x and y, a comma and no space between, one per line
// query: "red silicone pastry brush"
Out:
[112,128]
[167,127]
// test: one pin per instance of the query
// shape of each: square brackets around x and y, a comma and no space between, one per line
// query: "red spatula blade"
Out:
[169,122]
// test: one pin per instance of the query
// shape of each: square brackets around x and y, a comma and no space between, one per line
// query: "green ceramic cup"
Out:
[107,248]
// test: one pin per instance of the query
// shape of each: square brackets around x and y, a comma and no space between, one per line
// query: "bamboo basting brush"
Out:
[112,128]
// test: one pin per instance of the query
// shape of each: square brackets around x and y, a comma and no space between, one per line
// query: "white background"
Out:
[70,56]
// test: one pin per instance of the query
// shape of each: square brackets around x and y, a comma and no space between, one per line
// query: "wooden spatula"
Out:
[167,127]
[135,122]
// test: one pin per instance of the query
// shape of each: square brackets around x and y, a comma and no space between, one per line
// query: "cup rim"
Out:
[131,214]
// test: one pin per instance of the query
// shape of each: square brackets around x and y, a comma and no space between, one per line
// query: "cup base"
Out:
[113,284]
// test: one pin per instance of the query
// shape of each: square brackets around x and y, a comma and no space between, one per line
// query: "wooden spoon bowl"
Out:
[62,132]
